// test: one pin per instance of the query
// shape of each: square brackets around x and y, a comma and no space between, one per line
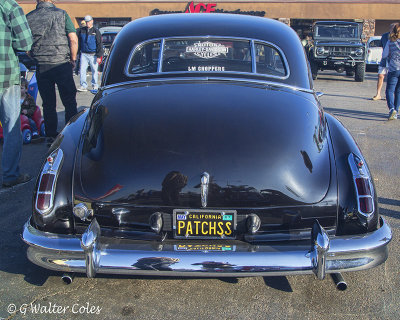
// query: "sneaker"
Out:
[95,87]
[392,114]
[82,89]
[23,178]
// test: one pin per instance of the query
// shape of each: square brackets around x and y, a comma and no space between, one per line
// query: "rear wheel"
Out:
[26,136]
[359,72]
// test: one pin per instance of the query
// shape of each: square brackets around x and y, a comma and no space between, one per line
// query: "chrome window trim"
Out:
[159,67]
[205,78]
[253,56]
[141,44]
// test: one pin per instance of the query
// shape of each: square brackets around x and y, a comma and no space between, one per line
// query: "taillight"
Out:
[363,185]
[47,182]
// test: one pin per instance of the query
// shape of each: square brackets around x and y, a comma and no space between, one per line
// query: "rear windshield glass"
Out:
[207,55]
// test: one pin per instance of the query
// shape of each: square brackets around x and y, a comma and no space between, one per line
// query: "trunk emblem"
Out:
[205,179]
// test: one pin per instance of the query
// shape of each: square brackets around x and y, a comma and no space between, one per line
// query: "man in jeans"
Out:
[91,48]
[14,35]
[55,47]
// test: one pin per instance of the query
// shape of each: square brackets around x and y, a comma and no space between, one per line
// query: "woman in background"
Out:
[392,53]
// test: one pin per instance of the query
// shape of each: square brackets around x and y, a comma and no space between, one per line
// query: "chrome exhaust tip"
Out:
[67,278]
[340,284]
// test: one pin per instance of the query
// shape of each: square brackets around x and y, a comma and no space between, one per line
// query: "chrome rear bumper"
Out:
[93,254]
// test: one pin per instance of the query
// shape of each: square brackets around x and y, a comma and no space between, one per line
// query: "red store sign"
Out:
[191,7]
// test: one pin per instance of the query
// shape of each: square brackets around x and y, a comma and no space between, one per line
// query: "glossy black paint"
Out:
[269,148]
[343,144]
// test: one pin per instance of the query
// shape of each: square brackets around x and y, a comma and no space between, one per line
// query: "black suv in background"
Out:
[108,35]
[337,45]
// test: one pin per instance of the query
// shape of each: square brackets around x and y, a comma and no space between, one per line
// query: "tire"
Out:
[42,130]
[314,69]
[26,136]
[359,73]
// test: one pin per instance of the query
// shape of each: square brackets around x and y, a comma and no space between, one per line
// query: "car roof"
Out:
[110,29]
[215,24]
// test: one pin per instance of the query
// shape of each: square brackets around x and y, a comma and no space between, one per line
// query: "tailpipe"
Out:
[340,284]
[67,278]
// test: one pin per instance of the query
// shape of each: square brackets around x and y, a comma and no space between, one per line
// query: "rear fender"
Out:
[348,219]
[59,219]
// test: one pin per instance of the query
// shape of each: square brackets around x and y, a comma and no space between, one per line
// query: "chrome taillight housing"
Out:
[46,188]
[363,186]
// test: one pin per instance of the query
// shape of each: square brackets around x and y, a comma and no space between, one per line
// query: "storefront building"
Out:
[376,15]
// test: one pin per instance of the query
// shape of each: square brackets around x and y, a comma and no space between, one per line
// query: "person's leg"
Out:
[391,84]
[9,117]
[47,90]
[84,66]
[33,127]
[379,86]
[66,88]
[94,66]
[397,93]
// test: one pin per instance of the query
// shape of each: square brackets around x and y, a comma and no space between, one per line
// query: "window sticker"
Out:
[206,68]
[207,50]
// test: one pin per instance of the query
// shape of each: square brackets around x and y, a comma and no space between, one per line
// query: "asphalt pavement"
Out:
[30,292]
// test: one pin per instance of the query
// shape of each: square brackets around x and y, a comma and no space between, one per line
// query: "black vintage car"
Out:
[206,152]
[338,46]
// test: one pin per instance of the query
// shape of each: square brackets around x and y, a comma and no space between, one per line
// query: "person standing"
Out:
[14,35]
[382,69]
[91,49]
[55,46]
[392,53]
[78,64]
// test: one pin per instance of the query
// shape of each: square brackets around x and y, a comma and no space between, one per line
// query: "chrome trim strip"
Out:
[253,57]
[251,41]
[119,256]
[205,180]
[183,79]
[159,67]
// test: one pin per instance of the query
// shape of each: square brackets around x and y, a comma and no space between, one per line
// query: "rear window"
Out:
[207,55]
[375,44]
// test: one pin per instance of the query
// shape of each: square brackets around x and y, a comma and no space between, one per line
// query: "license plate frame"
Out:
[204,248]
[201,217]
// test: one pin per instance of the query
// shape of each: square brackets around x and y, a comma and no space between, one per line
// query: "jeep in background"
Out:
[337,45]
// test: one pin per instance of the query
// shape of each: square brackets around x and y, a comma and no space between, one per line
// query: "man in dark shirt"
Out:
[55,47]
[14,35]
[91,51]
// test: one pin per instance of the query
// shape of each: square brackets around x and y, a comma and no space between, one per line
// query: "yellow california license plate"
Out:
[204,224]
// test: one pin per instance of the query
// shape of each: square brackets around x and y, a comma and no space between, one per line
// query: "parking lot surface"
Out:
[30,292]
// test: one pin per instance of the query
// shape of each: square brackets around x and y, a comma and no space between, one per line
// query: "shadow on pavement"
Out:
[362,115]
[279,283]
